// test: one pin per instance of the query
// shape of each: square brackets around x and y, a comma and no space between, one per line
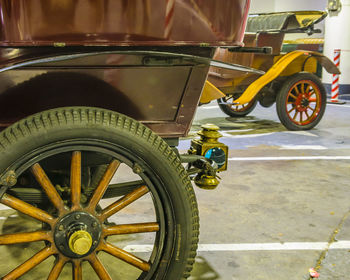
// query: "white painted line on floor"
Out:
[290,158]
[210,107]
[11,216]
[237,130]
[303,133]
[245,135]
[138,248]
[287,246]
[4,207]
[344,244]
[339,105]
[263,246]
[303,147]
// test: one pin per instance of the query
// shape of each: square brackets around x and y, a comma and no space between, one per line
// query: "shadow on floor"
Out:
[203,271]
[239,126]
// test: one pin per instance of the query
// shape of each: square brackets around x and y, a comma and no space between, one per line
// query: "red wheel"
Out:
[301,102]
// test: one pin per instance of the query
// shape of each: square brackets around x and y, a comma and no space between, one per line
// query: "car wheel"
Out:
[140,221]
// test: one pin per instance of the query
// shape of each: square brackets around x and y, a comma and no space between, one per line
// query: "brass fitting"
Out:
[209,133]
[207,182]
[80,242]
[209,147]
[209,136]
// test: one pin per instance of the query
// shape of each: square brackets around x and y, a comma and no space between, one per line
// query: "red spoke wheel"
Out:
[226,105]
[301,102]
[102,197]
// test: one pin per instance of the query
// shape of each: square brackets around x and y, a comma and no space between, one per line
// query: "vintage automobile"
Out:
[94,96]
[290,79]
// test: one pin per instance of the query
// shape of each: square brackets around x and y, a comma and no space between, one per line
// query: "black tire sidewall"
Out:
[232,113]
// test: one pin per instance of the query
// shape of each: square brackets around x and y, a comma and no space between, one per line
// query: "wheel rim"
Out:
[240,107]
[303,102]
[68,228]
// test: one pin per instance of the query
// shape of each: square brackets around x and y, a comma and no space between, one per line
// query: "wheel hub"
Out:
[302,103]
[305,102]
[77,234]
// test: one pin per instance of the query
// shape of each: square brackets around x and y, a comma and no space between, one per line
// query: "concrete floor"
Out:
[268,219]
[275,219]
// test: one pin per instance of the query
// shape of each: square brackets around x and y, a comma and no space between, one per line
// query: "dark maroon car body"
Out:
[147,59]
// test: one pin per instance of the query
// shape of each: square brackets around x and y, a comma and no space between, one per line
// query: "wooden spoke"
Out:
[126,257]
[123,202]
[98,267]
[308,88]
[27,209]
[296,90]
[29,264]
[131,228]
[291,110]
[57,268]
[312,109]
[77,270]
[292,95]
[307,115]
[301,117]
[296,113]
[103,185]
[75,180]
[24,237]
[46,184]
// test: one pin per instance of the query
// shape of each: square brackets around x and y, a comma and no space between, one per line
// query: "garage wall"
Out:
[268,6]
[297,5]
[337,36]
[259,6]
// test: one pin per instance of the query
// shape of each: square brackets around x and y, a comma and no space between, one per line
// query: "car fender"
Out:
[282,65]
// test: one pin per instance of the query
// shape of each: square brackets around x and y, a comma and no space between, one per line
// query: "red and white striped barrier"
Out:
[335,81]
[169,17]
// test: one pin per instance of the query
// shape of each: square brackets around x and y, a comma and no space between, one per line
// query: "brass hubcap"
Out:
[80,242]
[77,234]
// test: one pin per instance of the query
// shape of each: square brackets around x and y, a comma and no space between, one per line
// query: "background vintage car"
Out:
[290,78]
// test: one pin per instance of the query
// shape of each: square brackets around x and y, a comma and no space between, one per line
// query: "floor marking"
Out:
[209,107]
[290,158]
[303,147]
[4,207]
[303,133]
[236,130]
[287,246]
[11,216]
[245,135]
[339,105]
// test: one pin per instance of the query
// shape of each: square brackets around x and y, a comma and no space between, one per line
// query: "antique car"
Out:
[94,96]
[290,79]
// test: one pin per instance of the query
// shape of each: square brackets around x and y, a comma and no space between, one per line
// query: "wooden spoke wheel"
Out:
[301,102]
[226,105]
[83,222]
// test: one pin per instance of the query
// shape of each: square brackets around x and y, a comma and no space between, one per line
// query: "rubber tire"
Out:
[85,122]
[232,113]
[283,93]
